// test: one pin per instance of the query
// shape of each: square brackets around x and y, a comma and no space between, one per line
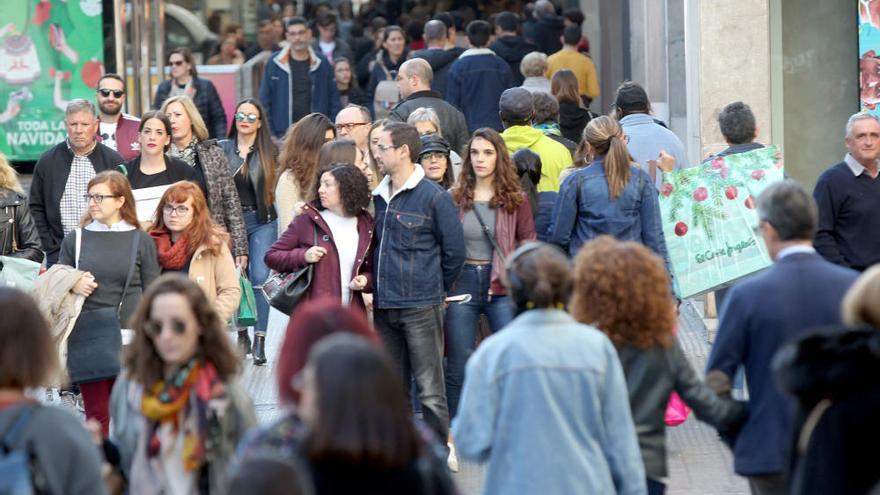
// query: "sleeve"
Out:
[161,95]
[217,115]
[67,254]
[565,212]
[622,447]
[826,239]
[450,233]
[150,269]
[288,253]
[461,135]
[652,226]
[71,454]
[731,339]
[286,196]
[27,236]
[232,215]
[367,267]
[525,223]
[37,203]
[226,281]
[266,98]
[474,424]
[592,81]
[453,87]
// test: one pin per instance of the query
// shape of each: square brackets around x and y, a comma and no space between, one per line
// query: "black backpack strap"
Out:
[134,256]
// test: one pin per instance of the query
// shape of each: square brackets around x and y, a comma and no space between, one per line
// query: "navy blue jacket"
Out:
[207,102]
[800,292]
[420,244]
[275,89]
[474,85]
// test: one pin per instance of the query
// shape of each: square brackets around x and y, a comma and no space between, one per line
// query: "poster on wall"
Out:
[51,51]
[710,222]
[869,55]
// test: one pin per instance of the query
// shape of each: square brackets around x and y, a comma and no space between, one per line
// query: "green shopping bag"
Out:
[18,272]
[247,308]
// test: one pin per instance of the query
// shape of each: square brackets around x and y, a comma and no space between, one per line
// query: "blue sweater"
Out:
[474,85]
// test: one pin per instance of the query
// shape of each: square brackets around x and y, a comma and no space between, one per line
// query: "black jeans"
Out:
[414,338]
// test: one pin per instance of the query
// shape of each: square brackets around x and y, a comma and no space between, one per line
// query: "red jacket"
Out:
[127,143]
[511,230]
[289,254]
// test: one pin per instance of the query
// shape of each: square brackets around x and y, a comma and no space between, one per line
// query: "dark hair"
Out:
[143,362]
[574,15]
[28,356]
[737,123]
[528,168]
[301,145]
[414,30]
[267,473]
[393,29]
[354,188]
[293,21]
[325,19]
[631,98]
[363,416]
[353,83]
[112,75]
[507,193]
[538,275]
[789,209]
[546,108]
[446,18]
[405,134]
[571,35]
[265,147]
[564,86]
[336,151]
[507,21]
[478,33]
[161,117]
[187,55]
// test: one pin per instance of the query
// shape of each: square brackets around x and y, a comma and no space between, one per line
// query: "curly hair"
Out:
[143,362]
[623,289]
[300,148]
[508,193]
[354,188]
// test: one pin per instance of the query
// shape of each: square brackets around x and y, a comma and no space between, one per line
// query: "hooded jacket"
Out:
[441,60]
[547,34]
[572,121]
[512,49]
[554,156]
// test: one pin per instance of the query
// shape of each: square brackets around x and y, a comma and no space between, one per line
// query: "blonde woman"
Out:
[19,237]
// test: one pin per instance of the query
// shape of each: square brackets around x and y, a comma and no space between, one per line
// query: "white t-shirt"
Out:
[345,237]
[327,49]
[108,134]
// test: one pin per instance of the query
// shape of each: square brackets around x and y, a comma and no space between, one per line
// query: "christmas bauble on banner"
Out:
[710,222]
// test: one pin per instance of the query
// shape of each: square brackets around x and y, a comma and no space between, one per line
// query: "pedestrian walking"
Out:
[435,160]
[117,130]
[534,71]
[510,45]
[569,57]
[382,89]
[153,167]
[573,116]
[546,119]
[185,81]
[19,237]
[426,121]
[438,53]
[350,92]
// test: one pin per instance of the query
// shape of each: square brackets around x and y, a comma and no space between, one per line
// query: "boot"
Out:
[259,350]
[244,342]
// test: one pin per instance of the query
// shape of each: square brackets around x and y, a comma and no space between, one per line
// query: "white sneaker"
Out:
[452,459]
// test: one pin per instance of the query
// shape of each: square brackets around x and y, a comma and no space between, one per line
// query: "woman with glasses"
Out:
[434,159]
[426,121]
[118,261]
[185,81]
[179,410]
[251,157]
[188,241]
[298,164]
[153,167]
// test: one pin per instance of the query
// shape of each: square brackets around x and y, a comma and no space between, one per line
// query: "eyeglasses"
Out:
[117,93]
[241,116]
[98,198]
[153,328]
[433,155]
[176,63]
[349,126]
[175,210]
[385,147]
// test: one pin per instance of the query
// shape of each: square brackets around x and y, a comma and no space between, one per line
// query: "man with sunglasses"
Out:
[117,130]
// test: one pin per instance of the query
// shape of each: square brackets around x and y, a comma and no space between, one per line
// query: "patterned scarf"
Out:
[171,256]
[188,391]
[549,128]
[187,154]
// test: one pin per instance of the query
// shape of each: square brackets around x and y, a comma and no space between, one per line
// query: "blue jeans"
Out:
[463,320]
[261,236]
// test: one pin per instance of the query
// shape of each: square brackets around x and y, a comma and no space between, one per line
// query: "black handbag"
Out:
[284,291]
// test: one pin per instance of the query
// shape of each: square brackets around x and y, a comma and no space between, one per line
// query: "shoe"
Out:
[259,350]
[244,342]
[452,459]
[72,400]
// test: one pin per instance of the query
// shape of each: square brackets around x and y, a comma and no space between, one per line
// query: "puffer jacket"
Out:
[16,223]
[222,195]
[554,156]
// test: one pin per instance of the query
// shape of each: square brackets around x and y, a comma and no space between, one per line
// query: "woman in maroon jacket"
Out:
[335,232]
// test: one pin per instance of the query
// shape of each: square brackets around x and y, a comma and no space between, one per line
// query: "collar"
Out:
[796,249]
[383,190]
[855,167]
[476,51]
[120,226]
[425,93]
[636,119]
[283,59]
[87,153]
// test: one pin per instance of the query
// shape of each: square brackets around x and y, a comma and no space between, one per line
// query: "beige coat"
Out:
[61,307]
[216,275]
[288,200]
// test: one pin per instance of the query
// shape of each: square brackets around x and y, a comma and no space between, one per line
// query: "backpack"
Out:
[387,93]
[18,474]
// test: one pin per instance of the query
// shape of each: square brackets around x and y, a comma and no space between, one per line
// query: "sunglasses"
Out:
[117,93]
[241,117]
[176,63]
[153,328]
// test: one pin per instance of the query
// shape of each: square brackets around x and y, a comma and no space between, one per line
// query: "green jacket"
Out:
[554,156]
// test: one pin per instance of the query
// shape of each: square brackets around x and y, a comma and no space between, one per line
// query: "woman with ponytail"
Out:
[611,195]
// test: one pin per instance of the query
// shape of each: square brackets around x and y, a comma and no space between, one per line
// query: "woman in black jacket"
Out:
[153,167]
[186,81]
[573,117]
[385,66]
[19,237]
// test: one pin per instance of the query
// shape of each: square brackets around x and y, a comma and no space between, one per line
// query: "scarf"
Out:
[549,128]
[187,154]
[171,256]
[189,391]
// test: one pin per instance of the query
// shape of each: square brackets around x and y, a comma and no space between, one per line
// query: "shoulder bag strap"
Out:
[489,234]
[14,242]
[131,266]
[78,245]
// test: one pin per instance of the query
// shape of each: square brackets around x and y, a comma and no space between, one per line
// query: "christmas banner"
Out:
[710,222]
[51,51]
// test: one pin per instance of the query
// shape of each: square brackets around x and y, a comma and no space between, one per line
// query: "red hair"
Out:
[310,322]
[202,231]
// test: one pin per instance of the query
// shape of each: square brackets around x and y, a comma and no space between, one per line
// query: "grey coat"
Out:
[222,195]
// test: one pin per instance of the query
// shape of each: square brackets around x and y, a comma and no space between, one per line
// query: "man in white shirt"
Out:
[117,130]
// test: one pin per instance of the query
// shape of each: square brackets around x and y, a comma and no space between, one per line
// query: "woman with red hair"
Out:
[190,242]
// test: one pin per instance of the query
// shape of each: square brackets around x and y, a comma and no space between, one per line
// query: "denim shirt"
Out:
[633,216]
[420,243]
[545,404]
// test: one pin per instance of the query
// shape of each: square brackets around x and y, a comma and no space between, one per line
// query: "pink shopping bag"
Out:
[676,410]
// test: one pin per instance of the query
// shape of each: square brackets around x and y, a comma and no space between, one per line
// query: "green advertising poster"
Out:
[710,222]
[52,52]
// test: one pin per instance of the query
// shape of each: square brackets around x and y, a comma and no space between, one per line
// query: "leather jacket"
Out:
[265,213]
[16,217]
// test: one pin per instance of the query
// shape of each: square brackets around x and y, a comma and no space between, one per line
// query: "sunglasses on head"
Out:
[241,117]
[117,93]
[153,328]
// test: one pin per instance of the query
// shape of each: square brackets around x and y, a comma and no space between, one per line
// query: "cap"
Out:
[432,143]
[631,96]
[516,105]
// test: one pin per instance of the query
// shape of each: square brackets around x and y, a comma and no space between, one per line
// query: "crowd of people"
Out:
[487,278]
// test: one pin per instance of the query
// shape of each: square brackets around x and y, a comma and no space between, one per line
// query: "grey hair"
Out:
[791,211]
[534,64]
[851,122]
[546,108]
[365,113]
[79,105]
[737,123]
[425,114]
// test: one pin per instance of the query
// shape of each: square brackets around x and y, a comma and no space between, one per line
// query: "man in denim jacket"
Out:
[420,251]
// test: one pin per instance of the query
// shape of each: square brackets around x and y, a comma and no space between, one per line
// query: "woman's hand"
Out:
[358,283]
[241,262]
[314,254]
[86,285]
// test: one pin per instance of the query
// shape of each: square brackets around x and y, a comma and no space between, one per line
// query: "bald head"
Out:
[415,75]
[435,34]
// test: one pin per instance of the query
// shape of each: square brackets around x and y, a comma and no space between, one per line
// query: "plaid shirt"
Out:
[73,204]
